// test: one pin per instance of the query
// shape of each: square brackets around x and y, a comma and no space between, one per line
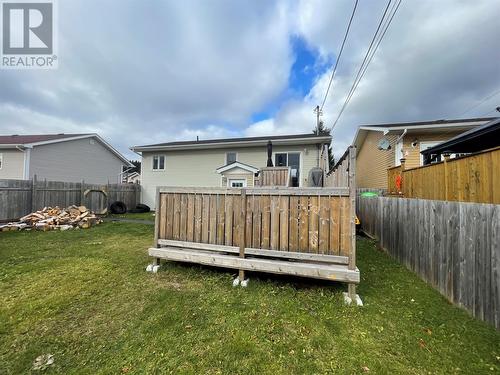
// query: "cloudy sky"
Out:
[140,72]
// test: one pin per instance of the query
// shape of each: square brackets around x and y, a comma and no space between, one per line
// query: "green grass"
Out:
[85,297]
[142,216]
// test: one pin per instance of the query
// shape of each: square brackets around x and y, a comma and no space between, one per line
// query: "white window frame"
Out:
[1,160]
[231,152]
[153,163]
[301,164]
[242,180]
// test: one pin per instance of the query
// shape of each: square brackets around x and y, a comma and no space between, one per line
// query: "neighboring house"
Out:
[60,157]
[132,178]
[380,147]
[232,162]
[481,138]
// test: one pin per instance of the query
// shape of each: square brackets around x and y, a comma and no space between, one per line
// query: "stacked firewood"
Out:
[55,218]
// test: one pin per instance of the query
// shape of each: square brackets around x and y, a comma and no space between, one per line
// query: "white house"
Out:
[231,162]
[60,157]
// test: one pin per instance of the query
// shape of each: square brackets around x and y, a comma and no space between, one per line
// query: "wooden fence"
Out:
[339,175]
[392,180]
[454,246]
[20,197]
[314,224]
[309,221]
[274,176]
[473,178]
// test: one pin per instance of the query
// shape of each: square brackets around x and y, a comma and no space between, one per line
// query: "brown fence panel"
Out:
[454,246]
[311,220]
[473,178]
[20,197]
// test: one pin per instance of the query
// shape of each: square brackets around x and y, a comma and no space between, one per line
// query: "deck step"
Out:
[336,272]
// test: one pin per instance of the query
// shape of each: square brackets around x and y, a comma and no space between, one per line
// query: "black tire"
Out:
[118,207]
[142,208]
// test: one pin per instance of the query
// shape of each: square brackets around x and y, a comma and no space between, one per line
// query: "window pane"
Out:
[294,160]
[280,160]
[155,162]
[162,162]
[230,157]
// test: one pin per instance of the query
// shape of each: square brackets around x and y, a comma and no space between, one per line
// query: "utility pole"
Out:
[319,113]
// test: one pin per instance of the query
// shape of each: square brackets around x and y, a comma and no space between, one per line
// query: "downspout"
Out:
[27,160]
[400,138]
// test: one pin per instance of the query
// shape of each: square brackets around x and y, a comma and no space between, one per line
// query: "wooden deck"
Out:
[324,271]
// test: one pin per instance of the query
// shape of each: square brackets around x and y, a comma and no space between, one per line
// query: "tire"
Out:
[142,208]
[118,207]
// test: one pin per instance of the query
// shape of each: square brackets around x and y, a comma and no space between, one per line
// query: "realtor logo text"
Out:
[28,35]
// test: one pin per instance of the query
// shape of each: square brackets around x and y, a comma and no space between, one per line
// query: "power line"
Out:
[481,102]
[376,40]
[340,54]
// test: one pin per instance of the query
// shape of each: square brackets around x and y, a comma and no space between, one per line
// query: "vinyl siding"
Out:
[372,163]
[197,167]
[12,165]
[412,154]
[76,160]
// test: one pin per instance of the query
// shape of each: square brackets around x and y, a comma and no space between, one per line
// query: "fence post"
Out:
[33,194]
[243,237]
[352,197]
[82,192]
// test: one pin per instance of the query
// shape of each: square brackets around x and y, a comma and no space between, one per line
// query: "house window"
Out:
[280,160]
[231,157]
[292,160]
[1,161]
[158,162]
[237,183]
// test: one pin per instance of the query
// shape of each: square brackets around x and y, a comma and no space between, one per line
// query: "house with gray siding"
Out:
[230,162]
[61,157]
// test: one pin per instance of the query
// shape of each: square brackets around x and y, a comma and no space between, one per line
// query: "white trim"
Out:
[231,144]
[433,126]
[27,161]
[242,180]
[237,164]
[1,160]
[153,163]
[301,162]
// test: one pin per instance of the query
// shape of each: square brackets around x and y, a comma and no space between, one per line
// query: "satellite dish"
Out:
[384,144]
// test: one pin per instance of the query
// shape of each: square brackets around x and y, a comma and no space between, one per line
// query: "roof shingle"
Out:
[33,138]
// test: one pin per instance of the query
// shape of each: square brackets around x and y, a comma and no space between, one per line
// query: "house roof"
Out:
[420,126]
[237,164]
[478,139]
[309,138]
[33,140]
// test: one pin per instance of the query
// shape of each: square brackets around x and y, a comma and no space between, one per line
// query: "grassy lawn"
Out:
[84,297]
[142,216]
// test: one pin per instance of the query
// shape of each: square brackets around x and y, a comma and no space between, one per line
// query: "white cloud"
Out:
[146,72]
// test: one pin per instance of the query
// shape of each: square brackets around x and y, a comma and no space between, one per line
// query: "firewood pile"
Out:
[55,218]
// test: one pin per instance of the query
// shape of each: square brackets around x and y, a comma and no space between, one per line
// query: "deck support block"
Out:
[348,300]
[242,282]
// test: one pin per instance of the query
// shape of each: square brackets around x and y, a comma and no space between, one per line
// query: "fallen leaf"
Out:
[428,331]
[365,369]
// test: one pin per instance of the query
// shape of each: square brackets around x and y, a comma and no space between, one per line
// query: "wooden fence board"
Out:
[20,197]
[454,246]
[473,178]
